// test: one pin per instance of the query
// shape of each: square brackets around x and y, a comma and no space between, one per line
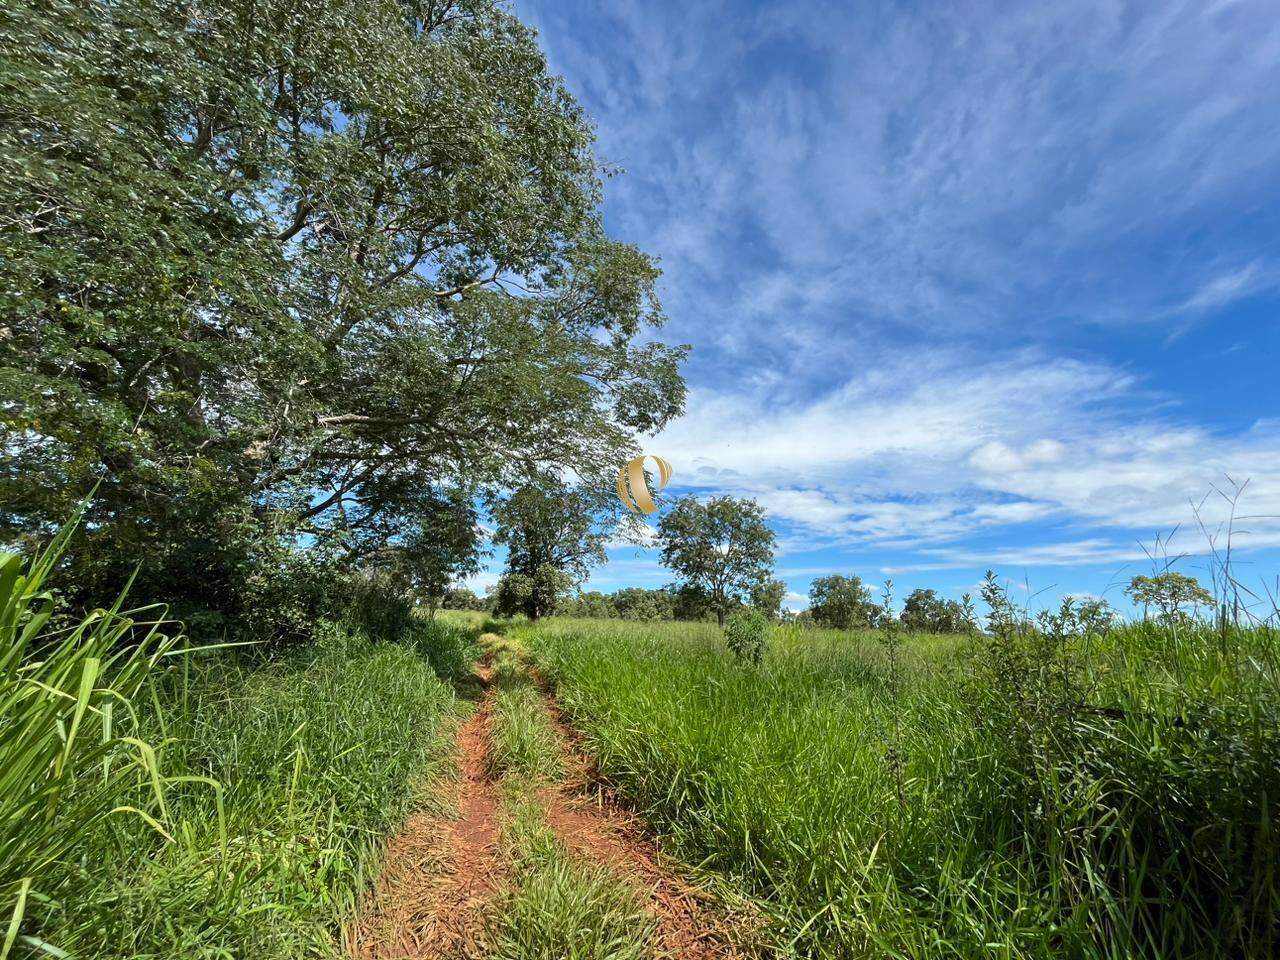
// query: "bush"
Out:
[377,606]
[745,635]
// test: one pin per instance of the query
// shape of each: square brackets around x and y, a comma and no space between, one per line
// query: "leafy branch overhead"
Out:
[274,269]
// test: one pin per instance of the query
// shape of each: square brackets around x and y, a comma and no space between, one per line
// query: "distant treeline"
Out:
[837,602]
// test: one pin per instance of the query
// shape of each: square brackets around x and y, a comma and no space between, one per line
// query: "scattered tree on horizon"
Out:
[843,603]
[924,611]
[1169,592]
[548,526]
[537,594]
[462,598]
[722,549]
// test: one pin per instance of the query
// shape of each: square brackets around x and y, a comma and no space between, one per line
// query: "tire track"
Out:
[440,877]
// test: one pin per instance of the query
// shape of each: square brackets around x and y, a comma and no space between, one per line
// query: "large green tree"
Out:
[273,271]
[722,549]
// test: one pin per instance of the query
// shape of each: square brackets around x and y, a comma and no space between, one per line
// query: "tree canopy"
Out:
[1169,592]
[722,549]
[842,602]
[926,612]
[281,272]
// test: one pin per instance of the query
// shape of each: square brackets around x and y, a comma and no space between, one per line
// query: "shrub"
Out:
[745,635]
[377,606]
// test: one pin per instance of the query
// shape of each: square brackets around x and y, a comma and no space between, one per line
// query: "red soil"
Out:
[439,876]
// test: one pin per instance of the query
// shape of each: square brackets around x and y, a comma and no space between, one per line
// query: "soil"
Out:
[439,876]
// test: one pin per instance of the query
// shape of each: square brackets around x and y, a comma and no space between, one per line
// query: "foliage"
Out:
[270,296]
[744,634]
[842,603]
[535,595]
[443,547]
[205,809]
[547,522]
[636,603]
[450,648]
[925,612]
[1063,793]
[1169,592]
[722,548]
[69,760]
[461,598]
[767,597]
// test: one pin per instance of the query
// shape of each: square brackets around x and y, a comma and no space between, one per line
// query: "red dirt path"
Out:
[439,876]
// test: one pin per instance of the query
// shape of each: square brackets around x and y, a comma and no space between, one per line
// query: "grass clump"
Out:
[69,757]
[524,740]
[1041,790]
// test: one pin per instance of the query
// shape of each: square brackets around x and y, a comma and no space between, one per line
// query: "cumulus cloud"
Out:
[972,447]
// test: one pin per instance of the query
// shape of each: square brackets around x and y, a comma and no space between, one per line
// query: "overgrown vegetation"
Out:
[1042,789]
[162,802]
[559,906]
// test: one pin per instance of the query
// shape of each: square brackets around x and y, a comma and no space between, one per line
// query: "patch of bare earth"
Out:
[439,876]
[691,924]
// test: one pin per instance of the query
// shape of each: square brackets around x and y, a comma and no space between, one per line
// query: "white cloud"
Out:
[959,167]
[909,461]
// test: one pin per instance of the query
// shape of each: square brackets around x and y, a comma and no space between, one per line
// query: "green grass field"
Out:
[163,803]
[1029,795]
[1029,792]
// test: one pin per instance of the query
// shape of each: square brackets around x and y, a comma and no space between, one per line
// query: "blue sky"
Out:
[968,284]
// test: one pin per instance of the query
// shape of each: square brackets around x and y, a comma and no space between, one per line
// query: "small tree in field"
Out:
[842,602]
[1169,592]
[926,612]
[745,635]
[722,547]
[548,526]
[767,597]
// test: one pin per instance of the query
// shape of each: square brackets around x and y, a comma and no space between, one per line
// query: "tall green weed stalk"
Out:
[69,755]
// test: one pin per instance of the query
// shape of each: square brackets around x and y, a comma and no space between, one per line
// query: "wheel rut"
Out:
[443,877]
[690,923]
[440,876]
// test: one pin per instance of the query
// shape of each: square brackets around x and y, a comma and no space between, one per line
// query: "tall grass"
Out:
[560,907]
[315,757]
[68,756]
[203,805]
[1029,793]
